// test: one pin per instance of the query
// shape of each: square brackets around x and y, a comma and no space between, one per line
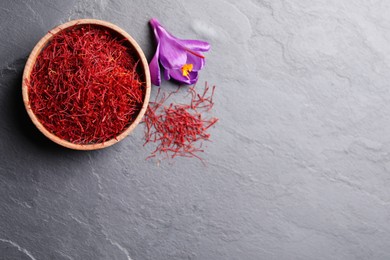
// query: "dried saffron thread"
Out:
[84,87]
[179,129]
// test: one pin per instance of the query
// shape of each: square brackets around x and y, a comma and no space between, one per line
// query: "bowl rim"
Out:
[30,65]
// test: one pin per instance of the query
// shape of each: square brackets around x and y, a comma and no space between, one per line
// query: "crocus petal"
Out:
[154,23]
[196,61]
[154,68]
[193,77]
[172,54]
[154,65]
[195,45]
[166,74]
[178,76]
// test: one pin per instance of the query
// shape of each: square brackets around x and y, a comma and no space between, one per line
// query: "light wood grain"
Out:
[29,67]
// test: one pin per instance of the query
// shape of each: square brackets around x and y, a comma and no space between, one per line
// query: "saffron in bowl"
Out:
[86,84]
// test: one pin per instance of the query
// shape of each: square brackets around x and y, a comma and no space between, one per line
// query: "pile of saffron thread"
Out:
[179,129]
[84,87]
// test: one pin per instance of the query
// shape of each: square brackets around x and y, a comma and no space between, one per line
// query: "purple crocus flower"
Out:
[181,59]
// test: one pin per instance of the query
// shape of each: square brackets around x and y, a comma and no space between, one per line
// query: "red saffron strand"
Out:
[179,129]
[84,87]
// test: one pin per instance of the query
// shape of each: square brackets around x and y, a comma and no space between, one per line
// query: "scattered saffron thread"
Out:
[179,129]
[84,87]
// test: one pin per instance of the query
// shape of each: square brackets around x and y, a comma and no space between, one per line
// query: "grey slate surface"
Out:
[299,166]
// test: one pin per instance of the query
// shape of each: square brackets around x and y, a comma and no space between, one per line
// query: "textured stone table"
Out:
[299,166]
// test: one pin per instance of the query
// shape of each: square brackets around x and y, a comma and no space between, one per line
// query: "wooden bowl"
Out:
[30,65]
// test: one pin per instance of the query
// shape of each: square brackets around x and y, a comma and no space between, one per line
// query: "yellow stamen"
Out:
[186,69]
